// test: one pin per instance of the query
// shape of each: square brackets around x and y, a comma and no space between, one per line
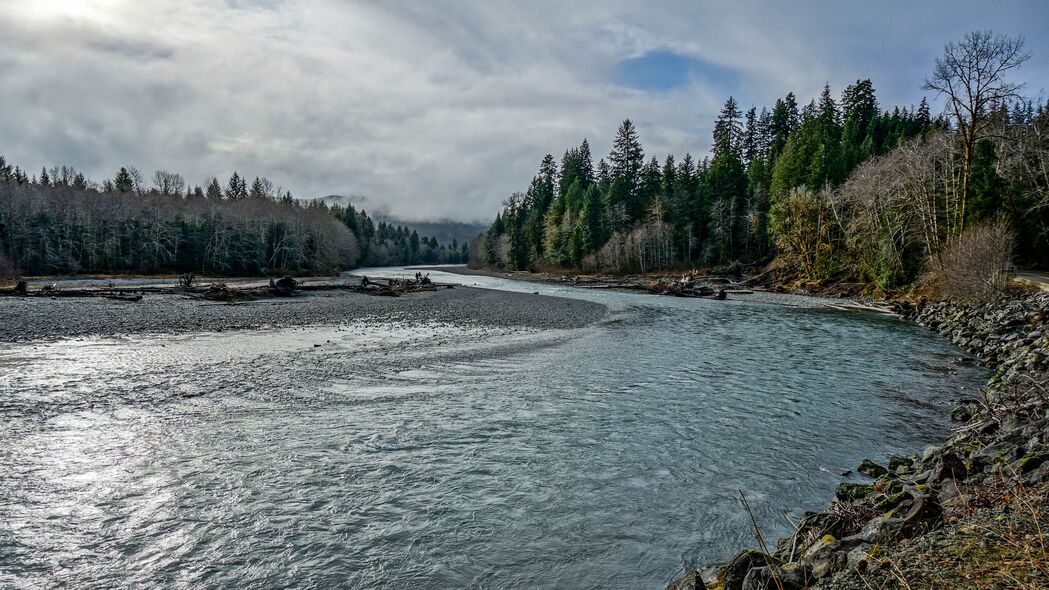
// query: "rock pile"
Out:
[1003,444]
[1011,335]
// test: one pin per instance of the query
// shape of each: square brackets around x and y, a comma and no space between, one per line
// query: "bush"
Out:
[972,268]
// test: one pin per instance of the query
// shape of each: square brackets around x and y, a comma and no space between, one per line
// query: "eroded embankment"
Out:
[971,513]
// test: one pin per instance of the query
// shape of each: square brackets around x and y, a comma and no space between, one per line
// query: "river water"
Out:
[396,455]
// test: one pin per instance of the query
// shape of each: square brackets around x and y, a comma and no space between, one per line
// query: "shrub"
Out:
[972,268]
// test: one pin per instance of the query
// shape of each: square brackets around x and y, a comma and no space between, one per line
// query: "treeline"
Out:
[627,213]
[787,181]
[60,222]
[385,244]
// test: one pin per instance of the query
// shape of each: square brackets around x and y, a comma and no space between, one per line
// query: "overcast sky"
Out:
[436,109]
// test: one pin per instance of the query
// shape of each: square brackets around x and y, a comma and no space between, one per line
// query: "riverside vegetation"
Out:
[927,218]
[928,212]
[60,222]
[838,191]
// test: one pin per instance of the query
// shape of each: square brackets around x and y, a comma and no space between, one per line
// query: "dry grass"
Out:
[1006,546]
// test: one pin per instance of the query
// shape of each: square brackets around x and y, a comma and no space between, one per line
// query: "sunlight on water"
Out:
[386,453]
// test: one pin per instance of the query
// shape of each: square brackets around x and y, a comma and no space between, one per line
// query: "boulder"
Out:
[737,568]
[871,469]
[859,558]
[848,492]
[689,581]
[765,578]
[925,515]
[948,466]
[896,462]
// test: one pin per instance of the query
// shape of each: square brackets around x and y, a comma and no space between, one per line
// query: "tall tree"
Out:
[627,158]
[728,129]
[214,191]
[972,76]
[123,182]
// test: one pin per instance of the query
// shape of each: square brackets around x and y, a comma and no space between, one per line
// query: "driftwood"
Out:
[123,296]
[283,287]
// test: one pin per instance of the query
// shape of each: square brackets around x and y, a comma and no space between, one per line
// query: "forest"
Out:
[839,189]
[60,222]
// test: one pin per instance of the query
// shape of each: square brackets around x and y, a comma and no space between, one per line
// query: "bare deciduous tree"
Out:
[168,183]
[971,75]
[972,268]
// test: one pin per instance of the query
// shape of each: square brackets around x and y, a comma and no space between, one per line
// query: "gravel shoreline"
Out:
[42,318]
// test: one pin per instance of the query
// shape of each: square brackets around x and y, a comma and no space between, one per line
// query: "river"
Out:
[393,454]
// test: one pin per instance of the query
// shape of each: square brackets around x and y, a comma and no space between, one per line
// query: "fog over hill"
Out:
[445,230]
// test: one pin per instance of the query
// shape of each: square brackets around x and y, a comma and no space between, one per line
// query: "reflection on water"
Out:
[392,454]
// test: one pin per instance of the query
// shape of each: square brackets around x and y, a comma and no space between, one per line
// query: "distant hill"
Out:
[445,230]
[345,200]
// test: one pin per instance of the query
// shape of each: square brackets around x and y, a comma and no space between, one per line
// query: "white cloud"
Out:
[434,108]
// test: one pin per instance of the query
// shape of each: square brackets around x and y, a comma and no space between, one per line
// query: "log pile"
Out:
[278,287]
[692,284]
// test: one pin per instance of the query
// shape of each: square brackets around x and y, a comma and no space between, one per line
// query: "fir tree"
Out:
[123,182]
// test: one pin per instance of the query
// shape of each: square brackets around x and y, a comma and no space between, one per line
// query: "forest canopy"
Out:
[60,222]
[838,189]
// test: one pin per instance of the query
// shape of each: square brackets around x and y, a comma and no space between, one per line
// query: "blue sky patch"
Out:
[662,71]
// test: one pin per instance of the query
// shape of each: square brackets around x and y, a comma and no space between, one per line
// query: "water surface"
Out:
[393,454]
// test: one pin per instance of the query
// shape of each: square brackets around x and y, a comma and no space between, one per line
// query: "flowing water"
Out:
[448,456]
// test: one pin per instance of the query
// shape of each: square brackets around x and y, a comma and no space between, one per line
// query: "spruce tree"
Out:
[214,191]
[727,128]
[123,182]
[234,187]
[627,159]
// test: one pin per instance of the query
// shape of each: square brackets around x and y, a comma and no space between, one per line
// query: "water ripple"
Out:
[388,454]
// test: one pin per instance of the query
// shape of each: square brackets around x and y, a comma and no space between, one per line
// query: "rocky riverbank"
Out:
[971,513]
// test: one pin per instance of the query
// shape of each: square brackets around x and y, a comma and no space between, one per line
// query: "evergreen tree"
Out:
[214,191]
[669,180]
[627,159]
[727,129]
[123,182]
[258,189]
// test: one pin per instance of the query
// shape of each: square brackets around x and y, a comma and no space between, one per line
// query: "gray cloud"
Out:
[438,109]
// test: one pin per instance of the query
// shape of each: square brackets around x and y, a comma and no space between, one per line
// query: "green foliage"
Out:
[67,226]
[715,211]
[804,233]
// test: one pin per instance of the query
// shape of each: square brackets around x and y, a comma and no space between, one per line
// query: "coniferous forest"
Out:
[841,188]
[60,222]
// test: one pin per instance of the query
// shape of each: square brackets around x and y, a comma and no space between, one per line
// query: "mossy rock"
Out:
[889,502]
[850,492]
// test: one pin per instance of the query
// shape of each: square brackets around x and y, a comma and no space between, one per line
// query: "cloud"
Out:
[436,109]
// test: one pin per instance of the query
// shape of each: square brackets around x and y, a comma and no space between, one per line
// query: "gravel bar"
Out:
[43,318]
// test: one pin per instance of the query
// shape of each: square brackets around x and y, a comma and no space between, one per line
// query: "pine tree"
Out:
[123,182]
[234,187]
[45,180]
[6,172]
[751,144]
[214,191]
[258,189]
[727,129]
[627,159]
[924,117]
[784,121]
[586,164]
